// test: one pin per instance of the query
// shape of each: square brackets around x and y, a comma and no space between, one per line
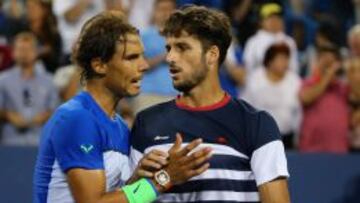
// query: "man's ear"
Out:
[99,66]
[213,55]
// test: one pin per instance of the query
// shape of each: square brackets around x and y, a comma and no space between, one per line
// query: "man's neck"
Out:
[27,72]
[103,97]
[207,93]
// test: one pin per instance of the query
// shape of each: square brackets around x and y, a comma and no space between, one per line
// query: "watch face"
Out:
[162,177]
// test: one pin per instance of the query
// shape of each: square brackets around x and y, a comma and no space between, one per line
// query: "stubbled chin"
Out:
[133,93]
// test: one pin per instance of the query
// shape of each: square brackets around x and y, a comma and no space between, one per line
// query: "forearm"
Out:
[153,62]
[237,74]
[242,10]
[41,118]
[140,192]
[275,192]
[110,197]
[311,94]
[74,13]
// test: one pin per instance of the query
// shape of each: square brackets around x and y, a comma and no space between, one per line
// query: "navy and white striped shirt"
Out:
[247,150]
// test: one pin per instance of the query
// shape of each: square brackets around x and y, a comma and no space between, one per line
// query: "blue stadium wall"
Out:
[315,178]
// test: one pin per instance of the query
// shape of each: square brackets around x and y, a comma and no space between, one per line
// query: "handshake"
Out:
[174,167]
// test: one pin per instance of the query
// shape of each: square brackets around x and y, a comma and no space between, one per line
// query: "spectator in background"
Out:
[5,52]
[326,35]
[27,95]
[275,89]
[156,83]
[71,15]
[325,124]
[354,41]
[271,31]
[5,57]
[353,75]
[140,12]
[43,24]
[233,74]
[66,80]
[13,20]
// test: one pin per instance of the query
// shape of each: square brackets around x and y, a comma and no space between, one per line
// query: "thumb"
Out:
[177,144]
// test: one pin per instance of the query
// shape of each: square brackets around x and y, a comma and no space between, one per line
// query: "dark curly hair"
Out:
[275,50]
[98,39]
[210,26]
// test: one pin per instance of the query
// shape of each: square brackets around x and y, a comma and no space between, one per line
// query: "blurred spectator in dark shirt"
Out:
[42,23]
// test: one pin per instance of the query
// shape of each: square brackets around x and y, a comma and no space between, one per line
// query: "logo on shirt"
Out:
[137,188]
[86,148]
[221,140]
[158,137]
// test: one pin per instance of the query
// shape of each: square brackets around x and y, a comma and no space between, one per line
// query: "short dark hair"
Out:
[26,36]
[98,39]
[275,50]
[210,26]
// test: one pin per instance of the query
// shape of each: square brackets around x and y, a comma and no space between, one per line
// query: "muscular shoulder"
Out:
[73,113]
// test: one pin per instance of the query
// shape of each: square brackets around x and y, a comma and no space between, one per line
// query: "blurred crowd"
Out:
[297,59]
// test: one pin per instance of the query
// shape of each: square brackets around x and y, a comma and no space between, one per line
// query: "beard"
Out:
[194,79]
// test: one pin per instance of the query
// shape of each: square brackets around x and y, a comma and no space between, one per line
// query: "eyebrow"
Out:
[127,41]
[133,55]
[185,44]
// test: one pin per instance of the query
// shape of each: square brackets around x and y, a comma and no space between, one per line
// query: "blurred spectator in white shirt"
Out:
[274,88]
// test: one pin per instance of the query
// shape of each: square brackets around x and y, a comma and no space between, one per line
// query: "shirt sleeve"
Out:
[249,55]
[136,151]
[268,160]
[77,142]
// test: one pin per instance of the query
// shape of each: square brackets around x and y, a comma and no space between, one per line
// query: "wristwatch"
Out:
[163,179]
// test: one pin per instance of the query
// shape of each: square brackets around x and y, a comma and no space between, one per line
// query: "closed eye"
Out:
[132,56]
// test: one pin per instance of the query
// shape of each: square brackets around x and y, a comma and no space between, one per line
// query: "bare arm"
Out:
[242,10]
[275,191]
[311,94]
[153,62]
[74,13]
[41,118]
[83,192]
[238,74]
[15,119]
[181,167]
